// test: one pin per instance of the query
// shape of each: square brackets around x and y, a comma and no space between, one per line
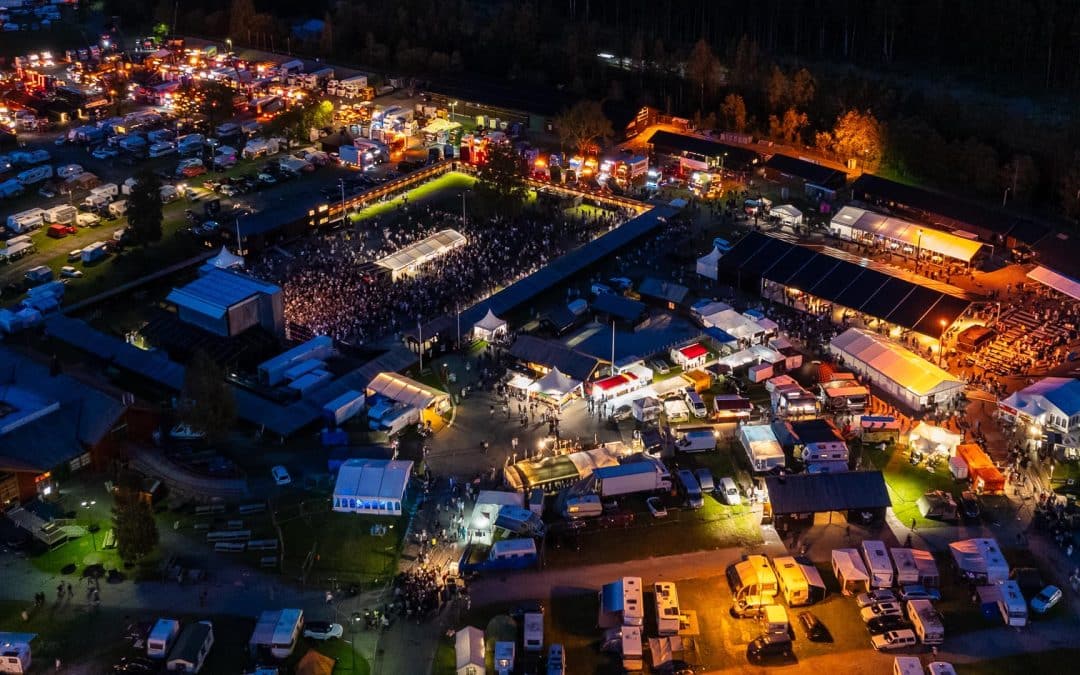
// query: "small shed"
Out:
[490,327]
[787,215]
[690,357]
[469,651]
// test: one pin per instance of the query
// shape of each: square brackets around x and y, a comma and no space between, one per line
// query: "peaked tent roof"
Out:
[910,233]
[405,390]
[907,369]
[226,259]
[469,647]
[490,322]
[1061,392]
[556,383]
[708,263]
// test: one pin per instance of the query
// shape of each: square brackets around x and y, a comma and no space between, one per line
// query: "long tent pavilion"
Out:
[905,237]
[405,390]
[1055,280]
[821,280]
[407,260]
[909,378]
[372,486]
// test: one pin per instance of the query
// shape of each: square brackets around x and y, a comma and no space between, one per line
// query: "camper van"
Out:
[848,567]
[161,638]
[907,665]
[277,631]
[753,584]
[691,489]
[1011,604]
[534,631]
[667,608]
[35,175]
[792,582]
[878,563]
[926,621]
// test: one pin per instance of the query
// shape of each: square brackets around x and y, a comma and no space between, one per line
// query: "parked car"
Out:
[894,639]
[192,171]
[46,191]
[880,609]
[969,505]
[104,153]
[281,475]
[1046,599]
[768,645]
[323,630]
[705,480]
[882,624]
[69,272]
[729,491]
[874,597]
[656,507]
[229,190]
[918,592]
[815,629]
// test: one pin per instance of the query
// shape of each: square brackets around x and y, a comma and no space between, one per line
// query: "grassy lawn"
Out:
[348,661]
[907,483]
[81,551]
[425,191]
[344,547]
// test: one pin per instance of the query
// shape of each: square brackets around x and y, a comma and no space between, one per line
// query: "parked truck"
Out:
[644,476]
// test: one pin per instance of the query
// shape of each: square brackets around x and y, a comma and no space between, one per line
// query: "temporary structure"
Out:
[226,259]
[708,264]
[556,386]
[980,560]
[984,475]
[469,651]
[931,439]
[407,260]
[406,390]
[373,486]
[903,374]
[787,214]
[490,327]
[854,223]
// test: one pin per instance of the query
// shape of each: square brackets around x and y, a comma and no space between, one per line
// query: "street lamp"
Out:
[941,343]
[90,528]
[1005,197]
[228,43]
[453,107]
[918,250]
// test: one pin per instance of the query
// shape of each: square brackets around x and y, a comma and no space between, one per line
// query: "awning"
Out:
[1058,282]
[405,390]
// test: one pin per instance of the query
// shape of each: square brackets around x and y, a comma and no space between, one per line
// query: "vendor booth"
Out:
[927,438]
[489,328]
[555,387]
[985,477]
[787,214]
[708,264]
[429,401]
[690,357]
[469,651]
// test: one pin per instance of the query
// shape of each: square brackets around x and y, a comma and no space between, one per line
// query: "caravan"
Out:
[161,638]
[926,621]
[800,584]
[878,563]
[1011,604]
[667,608]
[849,570]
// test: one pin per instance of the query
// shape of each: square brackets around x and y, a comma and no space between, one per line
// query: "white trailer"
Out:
[876,556]
[762,447]
[25,221]
[63,215]
[344,407]
[667,608]
[848,567]
[926,621]
[791,581]
[907,572]
[1011,603]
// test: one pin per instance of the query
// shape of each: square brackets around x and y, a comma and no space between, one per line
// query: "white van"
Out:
[696,441]
[907,665]
[729,491]
[586,506]
[696,404]
[534,631]
[161,638]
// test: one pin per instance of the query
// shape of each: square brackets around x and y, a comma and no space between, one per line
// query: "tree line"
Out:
[939,78]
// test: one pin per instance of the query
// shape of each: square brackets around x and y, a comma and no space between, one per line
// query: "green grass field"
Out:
[424,192]
[906,483]
[344,547]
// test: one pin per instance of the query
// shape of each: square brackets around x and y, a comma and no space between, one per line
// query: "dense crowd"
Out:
[331,288]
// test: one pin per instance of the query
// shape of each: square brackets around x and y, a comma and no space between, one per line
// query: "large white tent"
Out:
[555,385]
[1056,281]
[736,325]
[853,223]
[407,260]
[406,390]
[469,651]
[904,375]
[787,214]
[372,486]
[708,265]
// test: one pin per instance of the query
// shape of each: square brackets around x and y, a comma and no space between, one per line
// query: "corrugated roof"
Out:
[663,290]
[217,290]
[736,157]
[618,306]
[817,493]
[894,362]
[807,171]
[554,355]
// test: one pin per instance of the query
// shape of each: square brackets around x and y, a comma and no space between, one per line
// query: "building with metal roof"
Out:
[1050,405]
[819,278]
[619,307]
[857,493]
[904,375]
[371,486]
[406,390]
[905,237]
[665,291]
[227,303]
[783,166]
[407,260]
[545,355]
[950,212]
[48,421]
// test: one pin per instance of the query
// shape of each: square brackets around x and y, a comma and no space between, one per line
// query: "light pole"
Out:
[918,250]
[420,345]
[1005,197]
[93,540]
[941,344]
[453,108]
[341,183]
[463,207]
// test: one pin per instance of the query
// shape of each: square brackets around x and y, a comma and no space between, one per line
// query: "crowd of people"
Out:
[331,287]
[419,591]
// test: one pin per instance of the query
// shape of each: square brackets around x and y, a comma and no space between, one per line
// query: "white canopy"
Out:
[469,651]
[852,219]
[1058,282]
[226,259]
[733,323]
[707,265]
[407,259]
[555,384]
[889,361]
[788,214]
[490,325]
[373,486]
[930,438]
[406,390]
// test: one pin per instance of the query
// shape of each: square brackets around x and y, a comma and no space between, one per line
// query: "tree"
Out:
[133,519]
[297,122]
[777,89]
[144,209]
[1019,176]
[704,69]
[857,135]
[209,406]
[734,113]
[208,98]
[241,17]
[788,128]
[500,186]
[583,126]
[802,88]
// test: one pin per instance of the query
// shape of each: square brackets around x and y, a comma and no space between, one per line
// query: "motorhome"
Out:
[161,638]
[753,583]
[118,208]
[25,221]
[761,446]
[533,639]
[667,608]
[926,621]
[876,556]
[907,665]
[907,572]
[161,149]
[35,175]
[191,649]
[796,585]
[1011,603]
[277,631]
[696,441]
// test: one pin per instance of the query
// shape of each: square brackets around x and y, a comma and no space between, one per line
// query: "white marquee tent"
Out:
[469,651]
[736,325]
[903,374]
[852,222]
[489,327]
[407,260]
[226,259]
[406,390]
[787,214]
[555,385]
[708,265]
[372,486]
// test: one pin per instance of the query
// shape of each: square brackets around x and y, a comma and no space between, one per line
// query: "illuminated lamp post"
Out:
[453,107]
[941,343]
[918,250]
